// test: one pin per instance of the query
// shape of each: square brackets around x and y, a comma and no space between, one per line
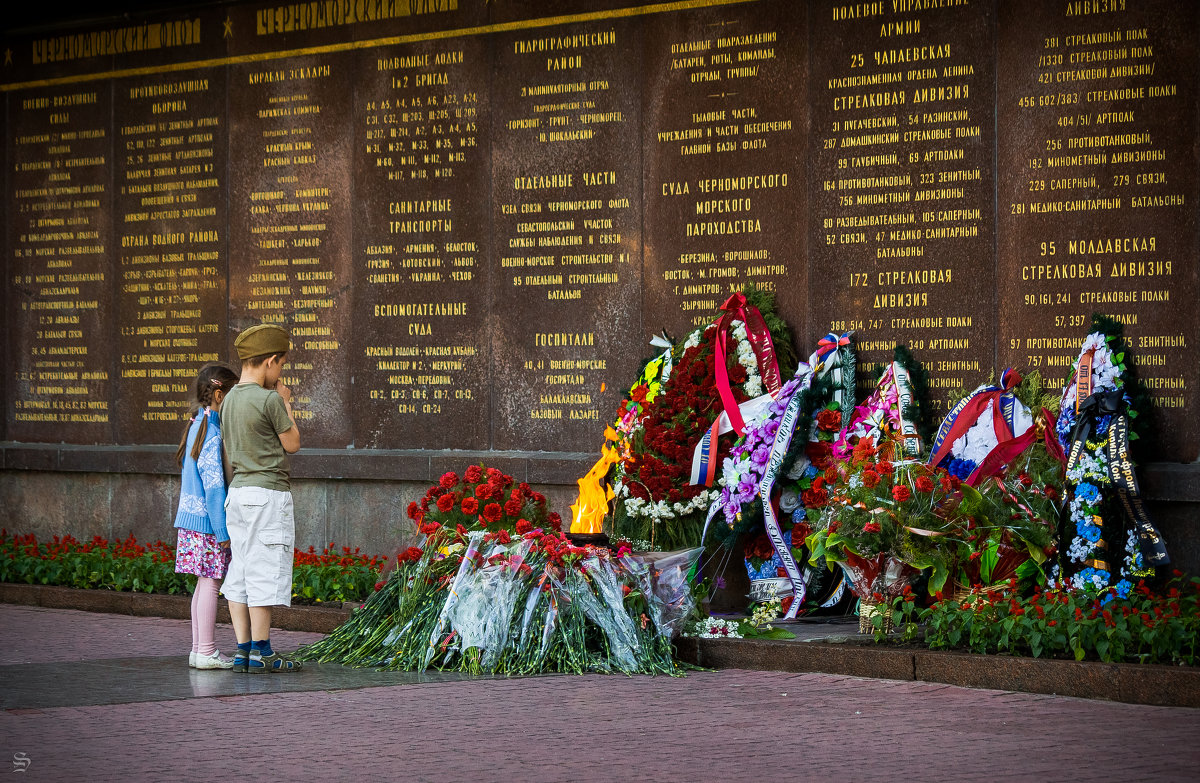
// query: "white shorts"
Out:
[262,531]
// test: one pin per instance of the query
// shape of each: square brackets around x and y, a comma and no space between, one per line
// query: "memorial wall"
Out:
[472,216]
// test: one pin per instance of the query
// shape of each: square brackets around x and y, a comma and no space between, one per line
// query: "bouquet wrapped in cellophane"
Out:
[504,596]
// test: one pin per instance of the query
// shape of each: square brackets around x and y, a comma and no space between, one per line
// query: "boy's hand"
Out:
[283,391]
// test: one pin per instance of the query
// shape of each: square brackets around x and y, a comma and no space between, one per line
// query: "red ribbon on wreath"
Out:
[735,307]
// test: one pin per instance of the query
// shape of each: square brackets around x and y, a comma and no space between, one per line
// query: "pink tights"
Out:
[204,616]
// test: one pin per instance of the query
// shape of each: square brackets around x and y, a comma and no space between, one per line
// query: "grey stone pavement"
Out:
[102,697]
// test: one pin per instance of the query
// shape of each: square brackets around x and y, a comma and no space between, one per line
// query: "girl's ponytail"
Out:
[211,378]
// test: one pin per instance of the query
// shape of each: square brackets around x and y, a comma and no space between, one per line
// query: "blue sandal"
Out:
[274,663]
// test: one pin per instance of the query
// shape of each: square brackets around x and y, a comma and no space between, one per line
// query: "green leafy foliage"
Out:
[1146,627]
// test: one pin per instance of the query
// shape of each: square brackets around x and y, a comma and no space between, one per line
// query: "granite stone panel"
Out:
[385,528]
[8,320]
[901,185]
[142,506]
[1065,678]
[31,458]
[421,349]
[290,225]
[312,511]
[159,459]
[171,258]
[170,36]
[567,194]
[36,56]
[49,504]
[385,466]
[534,13]
[724,147]
[1097,205]
[57,208]
[265,27]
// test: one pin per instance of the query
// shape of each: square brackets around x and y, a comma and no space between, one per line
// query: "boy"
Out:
[260,431]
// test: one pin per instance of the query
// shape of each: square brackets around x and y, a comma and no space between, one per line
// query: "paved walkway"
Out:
[146,717]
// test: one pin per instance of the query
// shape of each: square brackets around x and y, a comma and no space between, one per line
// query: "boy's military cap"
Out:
[262,339]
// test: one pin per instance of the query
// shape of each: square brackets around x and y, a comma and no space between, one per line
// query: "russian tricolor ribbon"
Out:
[965,415]
[704,455]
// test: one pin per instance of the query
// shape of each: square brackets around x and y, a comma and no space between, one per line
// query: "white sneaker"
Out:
[214,661]
[192,659]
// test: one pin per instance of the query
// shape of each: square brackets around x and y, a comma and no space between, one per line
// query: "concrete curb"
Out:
[176,607]
[1166,686]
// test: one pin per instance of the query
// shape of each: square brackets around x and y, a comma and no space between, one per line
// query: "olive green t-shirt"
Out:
[251,420]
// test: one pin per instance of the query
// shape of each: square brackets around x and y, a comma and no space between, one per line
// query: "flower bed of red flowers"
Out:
[331,575]
[1151,625]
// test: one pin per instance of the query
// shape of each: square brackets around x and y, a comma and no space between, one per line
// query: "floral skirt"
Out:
[200,554]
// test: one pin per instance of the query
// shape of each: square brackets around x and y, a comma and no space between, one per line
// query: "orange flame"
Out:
[587,513]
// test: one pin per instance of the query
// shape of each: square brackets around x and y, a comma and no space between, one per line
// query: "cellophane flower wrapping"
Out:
[504,597]
[665,578]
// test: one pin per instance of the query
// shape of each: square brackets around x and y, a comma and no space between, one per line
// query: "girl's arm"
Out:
[212,476]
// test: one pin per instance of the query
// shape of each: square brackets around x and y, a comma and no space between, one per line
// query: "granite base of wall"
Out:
[369,514]
[1168,686]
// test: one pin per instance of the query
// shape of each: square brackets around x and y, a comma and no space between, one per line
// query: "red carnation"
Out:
[820,454]
[448,479]
[829,421]
[445,502]
[885,468]
[814,498]
[502,537]
[429,528]
[470,506]
[472,474]
[513,507]
[492,512]
[900,493]
[870,479]
[872,527]
[414,511]
[555,521]
[924,484]
[523,526]
[483,491]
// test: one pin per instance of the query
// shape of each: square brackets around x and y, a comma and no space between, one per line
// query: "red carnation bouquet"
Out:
[496,587]
[482,499]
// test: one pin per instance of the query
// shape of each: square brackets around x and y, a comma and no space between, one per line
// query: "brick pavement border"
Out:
[1167,686]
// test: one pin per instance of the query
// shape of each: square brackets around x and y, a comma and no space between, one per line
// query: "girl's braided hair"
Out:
[212,377]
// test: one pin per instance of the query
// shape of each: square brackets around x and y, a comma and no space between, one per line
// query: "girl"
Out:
[203,548]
